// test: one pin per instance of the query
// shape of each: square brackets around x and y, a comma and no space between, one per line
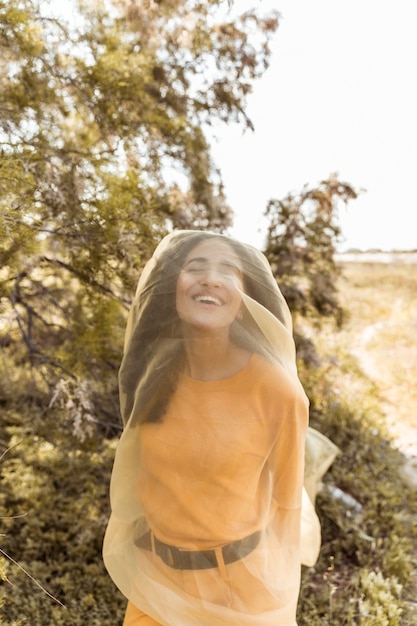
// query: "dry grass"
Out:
[365,400]
[381,299]
[382,328]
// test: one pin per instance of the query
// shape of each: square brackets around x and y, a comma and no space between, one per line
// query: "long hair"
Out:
[155,351]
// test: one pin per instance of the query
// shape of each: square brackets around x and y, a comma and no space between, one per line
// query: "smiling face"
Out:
[209,286]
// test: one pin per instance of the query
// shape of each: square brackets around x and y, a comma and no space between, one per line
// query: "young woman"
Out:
[207,484]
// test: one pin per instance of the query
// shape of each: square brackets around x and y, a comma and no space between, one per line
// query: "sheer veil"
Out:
[201,464]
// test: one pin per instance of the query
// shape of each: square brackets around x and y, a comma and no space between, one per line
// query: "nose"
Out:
[211,277]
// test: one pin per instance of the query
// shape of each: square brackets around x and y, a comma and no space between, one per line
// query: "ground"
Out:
[381,298]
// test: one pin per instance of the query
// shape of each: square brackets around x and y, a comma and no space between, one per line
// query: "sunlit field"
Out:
[382,301]
[371,365]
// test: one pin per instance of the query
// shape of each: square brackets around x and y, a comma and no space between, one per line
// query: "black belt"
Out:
[195,559]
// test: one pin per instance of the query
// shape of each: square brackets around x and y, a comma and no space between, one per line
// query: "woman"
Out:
[207,484]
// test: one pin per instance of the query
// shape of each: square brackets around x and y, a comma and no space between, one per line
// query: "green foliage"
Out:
[302,236]
[55,495]
[103,120]
[379,604]
[301,243]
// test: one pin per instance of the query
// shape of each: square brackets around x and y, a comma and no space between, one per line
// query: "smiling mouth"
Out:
[208,300]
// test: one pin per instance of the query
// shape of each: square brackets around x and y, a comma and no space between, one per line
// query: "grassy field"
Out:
[381,332]
[371,367]
[382,300]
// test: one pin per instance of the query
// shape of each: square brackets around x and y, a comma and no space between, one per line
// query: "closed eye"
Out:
[225,267]
[231,268]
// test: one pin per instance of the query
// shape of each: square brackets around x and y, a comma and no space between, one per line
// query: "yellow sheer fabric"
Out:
[202,464]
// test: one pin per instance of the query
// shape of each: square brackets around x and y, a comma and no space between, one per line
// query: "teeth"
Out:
[208,299]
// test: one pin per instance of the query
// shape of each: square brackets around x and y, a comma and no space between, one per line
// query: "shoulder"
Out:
[272,372]
[273,380]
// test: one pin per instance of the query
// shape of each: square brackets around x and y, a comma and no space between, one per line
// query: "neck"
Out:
[209,358]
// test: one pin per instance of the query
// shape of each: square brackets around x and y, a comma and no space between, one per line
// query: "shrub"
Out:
[55,491]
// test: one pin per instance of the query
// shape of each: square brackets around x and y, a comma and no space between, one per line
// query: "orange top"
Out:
[206,469]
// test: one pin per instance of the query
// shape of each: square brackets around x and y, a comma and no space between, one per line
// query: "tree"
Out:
[103,126]
[302,236]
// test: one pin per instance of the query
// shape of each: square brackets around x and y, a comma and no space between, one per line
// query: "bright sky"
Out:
[340,96]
